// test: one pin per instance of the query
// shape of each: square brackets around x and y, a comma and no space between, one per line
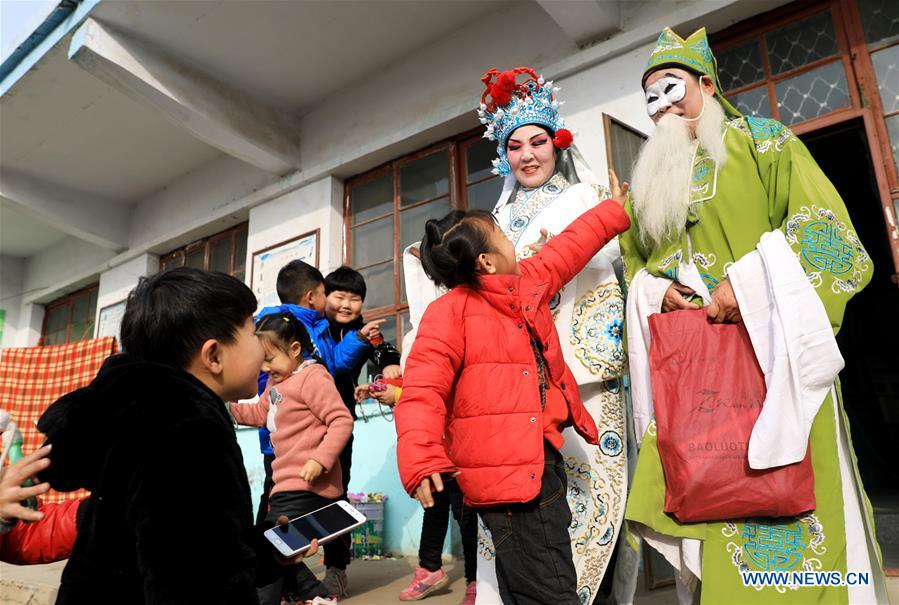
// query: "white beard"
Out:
[664,169]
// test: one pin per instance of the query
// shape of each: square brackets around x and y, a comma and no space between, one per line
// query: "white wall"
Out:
[318,205]
[428,88]
[117,282]
[72,261]
[192,206]
[612,87]
[12,278]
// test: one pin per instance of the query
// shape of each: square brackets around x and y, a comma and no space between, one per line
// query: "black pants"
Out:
[267,486]
[346,461]
[337,552]
[435,524]
[533,548]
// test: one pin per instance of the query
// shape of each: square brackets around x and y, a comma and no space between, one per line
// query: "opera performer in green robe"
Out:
[732,213]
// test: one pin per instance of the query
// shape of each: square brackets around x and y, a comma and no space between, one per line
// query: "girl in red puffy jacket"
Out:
[487,393]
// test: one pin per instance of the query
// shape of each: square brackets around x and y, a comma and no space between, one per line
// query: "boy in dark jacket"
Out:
[345,293]
[169,518]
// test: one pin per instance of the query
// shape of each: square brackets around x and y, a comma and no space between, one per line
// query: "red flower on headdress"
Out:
[563,138]
[501,91]
[501,85]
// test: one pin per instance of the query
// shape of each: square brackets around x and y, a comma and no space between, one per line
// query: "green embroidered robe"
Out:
[768,181]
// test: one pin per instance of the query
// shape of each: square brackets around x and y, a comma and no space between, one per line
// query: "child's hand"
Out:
[363,392]
[424,492]
[538,245]
[313,548]
[311,471]
[392,371]
[371,329]
[11,491]
[619,192]
[387,396]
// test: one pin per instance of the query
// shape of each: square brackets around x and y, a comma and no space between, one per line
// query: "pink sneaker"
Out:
[471,593]
[423,583]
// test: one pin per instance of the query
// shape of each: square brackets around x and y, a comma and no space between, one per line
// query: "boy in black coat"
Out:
[169,518]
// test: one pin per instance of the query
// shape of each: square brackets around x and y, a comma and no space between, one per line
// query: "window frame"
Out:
[865,103]
[69,301]
[608,121]
[207,244]
[456,148]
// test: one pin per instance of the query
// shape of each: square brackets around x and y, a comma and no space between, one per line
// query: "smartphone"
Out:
[323,525]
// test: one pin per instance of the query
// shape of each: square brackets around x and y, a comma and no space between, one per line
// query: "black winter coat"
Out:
[169,519]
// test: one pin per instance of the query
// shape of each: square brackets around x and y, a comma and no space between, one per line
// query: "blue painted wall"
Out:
[374,470]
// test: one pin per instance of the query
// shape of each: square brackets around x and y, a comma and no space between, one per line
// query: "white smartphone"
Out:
[323,525]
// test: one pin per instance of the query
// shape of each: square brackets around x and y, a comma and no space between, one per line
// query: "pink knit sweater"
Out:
[311,421]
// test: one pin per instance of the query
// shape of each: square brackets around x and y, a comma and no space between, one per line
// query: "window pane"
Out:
[893,128]
[800,43]
[240,252]
[57,320]
[196,257]
[371,199]
[880,20]
[220,255]
[82,319]
[626,146]
[479,157]
[425,178]
[485,194]
[886,66]
[92,313]
[379,284]
[740,66]
[412,221]
[171,263]
[753,102]
[373,242]
[812,94]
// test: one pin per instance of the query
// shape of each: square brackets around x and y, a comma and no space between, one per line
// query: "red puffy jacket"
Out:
[471,399]
[50,539]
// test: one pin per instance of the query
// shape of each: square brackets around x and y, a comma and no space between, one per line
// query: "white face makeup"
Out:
[664,93]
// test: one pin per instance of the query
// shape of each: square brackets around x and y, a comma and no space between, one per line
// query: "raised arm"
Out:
[566,254]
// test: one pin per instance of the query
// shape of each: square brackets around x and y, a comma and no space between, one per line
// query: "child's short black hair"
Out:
[295,279]
[451,246]
[281,329]
[345,279]
[170,315]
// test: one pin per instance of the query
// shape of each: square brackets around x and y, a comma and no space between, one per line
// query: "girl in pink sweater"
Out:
[309,427]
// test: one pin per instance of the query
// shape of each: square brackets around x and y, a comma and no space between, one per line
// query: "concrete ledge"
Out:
[30,584]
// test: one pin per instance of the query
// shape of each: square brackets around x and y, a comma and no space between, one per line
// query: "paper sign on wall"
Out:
[267,263]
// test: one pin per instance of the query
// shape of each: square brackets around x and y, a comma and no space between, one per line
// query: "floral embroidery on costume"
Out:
[768,134]
[528,204]
[789,544]
[596,329]
[827,246]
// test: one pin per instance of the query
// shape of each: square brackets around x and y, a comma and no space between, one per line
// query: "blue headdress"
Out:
[513,105]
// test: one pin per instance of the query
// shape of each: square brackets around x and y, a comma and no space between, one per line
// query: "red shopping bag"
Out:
[708,391]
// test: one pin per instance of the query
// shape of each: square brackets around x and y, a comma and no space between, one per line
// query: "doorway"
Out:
[869,337]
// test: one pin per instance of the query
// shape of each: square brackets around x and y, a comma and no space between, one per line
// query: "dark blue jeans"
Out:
[533,548]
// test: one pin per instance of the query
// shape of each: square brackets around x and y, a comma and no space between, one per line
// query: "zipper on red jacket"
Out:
[542,383]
